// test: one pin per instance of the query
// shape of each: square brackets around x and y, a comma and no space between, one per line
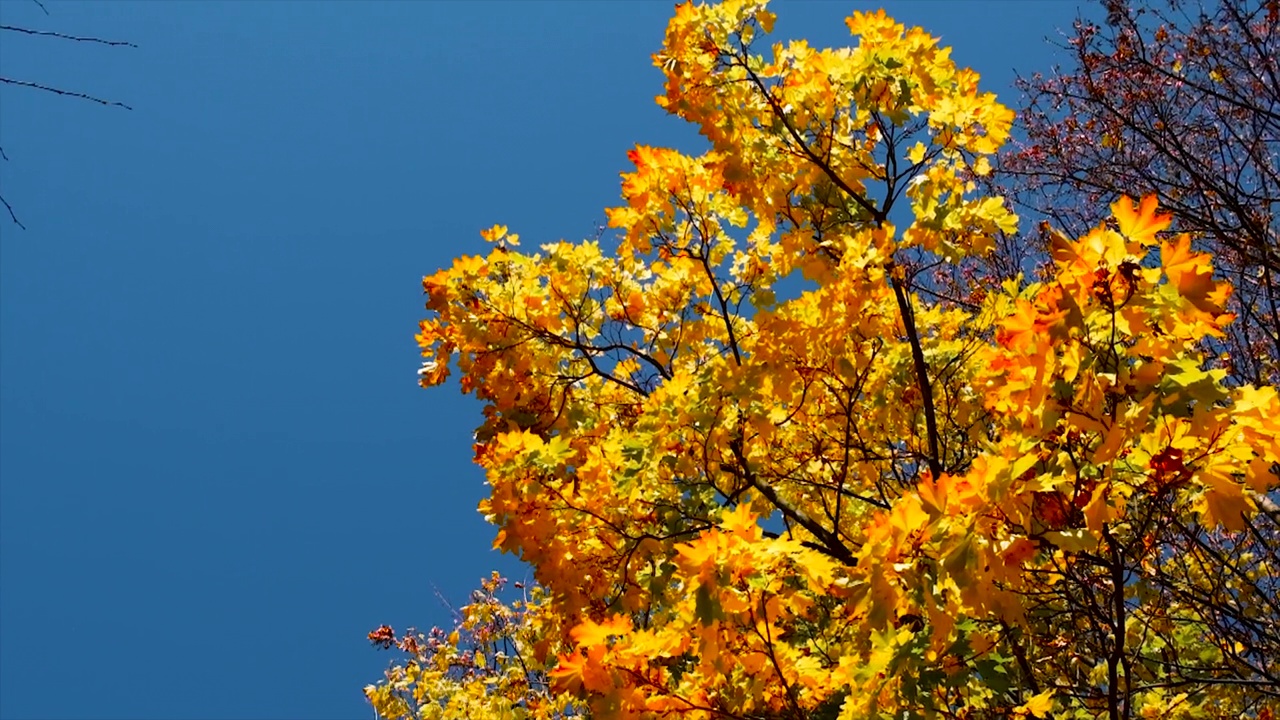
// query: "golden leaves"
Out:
[873,25]
[1223,501]
[499,234]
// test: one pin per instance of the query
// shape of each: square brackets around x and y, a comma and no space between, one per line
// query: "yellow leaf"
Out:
[1037,706]
[1224,501]
[1259,475]
[1098,511]
[1110,446]
[494,234]
[1018,551]
[698,554]
[740,521]
[908,515]
[766,20]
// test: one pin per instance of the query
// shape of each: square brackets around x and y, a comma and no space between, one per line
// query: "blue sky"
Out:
[216,470]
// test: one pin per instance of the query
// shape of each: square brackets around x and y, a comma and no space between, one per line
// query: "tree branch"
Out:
[831,543]
[56,91]
[64,36]
[922,374]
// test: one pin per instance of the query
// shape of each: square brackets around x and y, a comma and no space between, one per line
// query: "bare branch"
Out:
[68,93]
[12,215]
[64,36]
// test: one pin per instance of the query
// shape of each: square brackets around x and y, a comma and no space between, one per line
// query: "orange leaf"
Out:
[740,521]
[1190,272]
[591,633]
[494,234]
[1018,330]
[1139,222]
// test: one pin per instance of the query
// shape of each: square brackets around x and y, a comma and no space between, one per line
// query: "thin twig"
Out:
[12,216]
[64,36]
[42,7]
[68,93]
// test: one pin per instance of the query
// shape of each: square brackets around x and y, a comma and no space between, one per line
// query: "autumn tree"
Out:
[761,469]
[1181,100]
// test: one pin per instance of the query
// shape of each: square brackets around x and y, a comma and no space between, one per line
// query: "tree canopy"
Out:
[765,465]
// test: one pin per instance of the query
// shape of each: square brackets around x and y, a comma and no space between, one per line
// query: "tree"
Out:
[43,87]
[489,665]
[762,469]
[1180,100]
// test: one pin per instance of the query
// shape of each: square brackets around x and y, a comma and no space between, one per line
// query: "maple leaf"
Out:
[699,556]
[1019,551]
[1038,705]
[494,234]
[740,521]
[1190,273]
[590,633]
[1139,222]
[1224,501]
[1020,330]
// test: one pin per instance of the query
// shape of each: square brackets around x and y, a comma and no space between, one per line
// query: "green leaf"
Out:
[706,608]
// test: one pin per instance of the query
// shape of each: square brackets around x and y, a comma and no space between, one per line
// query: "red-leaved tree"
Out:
[1180,100]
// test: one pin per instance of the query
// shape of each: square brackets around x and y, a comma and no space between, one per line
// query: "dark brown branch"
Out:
[922,374]
[792,697]
[64,36]
[831,543]
[68,93]
[780,114]
[12,215]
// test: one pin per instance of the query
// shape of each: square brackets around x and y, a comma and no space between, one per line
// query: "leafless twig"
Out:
[68,93]
[12,216]
[64,36]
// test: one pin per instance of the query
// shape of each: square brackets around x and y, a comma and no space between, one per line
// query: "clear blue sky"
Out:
[216,470]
